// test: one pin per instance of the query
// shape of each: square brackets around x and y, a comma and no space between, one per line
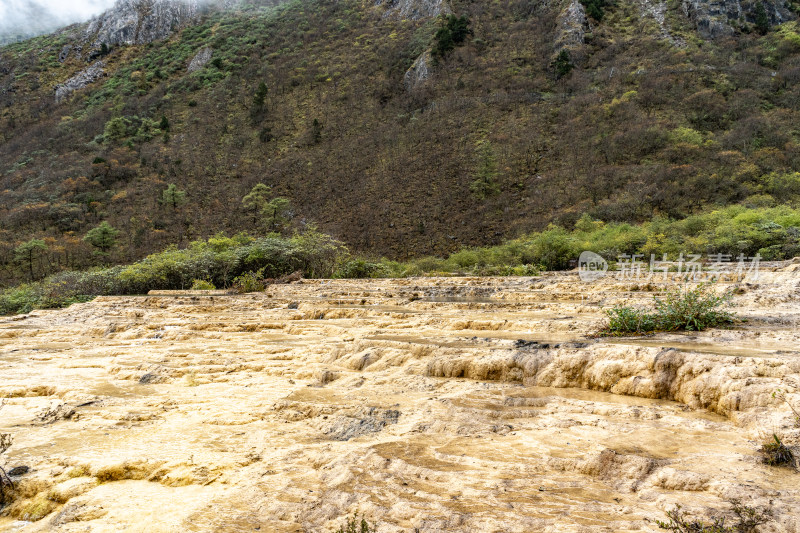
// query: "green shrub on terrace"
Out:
[693,309]
[20,299]
[682,309]
[354,525]
[554,248]
[776,453]
[624,320]
[742,519]
[249,282]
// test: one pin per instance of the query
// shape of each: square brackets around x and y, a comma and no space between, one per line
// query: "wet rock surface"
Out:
[18,471]
[446,404]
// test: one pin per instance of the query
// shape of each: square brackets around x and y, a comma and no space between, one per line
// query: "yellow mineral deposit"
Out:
[449,404]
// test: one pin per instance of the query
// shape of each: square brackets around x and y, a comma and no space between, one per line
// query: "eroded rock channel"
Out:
[451,404]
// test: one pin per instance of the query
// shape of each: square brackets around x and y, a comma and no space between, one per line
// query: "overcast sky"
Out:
[39,16]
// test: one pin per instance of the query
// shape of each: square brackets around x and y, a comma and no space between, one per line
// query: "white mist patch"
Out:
[31,17]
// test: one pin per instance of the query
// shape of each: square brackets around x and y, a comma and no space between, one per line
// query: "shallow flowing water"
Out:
[448,404]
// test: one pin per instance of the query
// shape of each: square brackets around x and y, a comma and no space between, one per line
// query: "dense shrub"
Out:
[202,285]
[625,319]
[772,232]
[452,32]
[682,309]
[693,309]
[361,268]
[595,8]
[219,261]
[776,453]
[744,519]
[562,64]
[21,299]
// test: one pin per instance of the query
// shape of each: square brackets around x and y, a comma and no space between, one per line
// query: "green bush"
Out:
[554,248]
[745,520]
[693,309]
[250,282]
[630,320]
[21,299]
[562,64]
[354,525]
[220,261]
[776,453]
[595,8]
[682,309]
[359,269]
[761,19]
[452,32]
[202,285]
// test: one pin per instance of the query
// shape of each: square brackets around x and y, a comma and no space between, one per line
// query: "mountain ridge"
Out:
[499,134]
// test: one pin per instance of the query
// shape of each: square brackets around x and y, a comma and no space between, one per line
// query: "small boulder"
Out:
[367,420]
[200,59]
[18,471]
[64,53]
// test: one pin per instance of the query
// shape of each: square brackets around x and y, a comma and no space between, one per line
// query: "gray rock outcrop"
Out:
[201,59]
[657,11]
[573,25]
[87,76]
[716,18]
[64,53]
[140,21]
[414,9]
[419,72]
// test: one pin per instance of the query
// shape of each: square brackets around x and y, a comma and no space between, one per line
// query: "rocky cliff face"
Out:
[419,72]
[573,25]
[414,9]
[140,21]
[80,80]
[715,18]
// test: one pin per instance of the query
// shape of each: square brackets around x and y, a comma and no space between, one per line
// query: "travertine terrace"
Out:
[447,404]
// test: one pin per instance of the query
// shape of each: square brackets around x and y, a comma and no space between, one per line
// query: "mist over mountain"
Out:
[25,18]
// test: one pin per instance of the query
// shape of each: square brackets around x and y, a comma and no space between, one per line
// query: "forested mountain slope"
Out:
[402,127]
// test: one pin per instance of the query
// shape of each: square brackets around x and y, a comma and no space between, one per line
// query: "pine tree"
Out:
[257,199]
[173,196]
[27,252]
[562,64]
[103,237]
[761,19]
